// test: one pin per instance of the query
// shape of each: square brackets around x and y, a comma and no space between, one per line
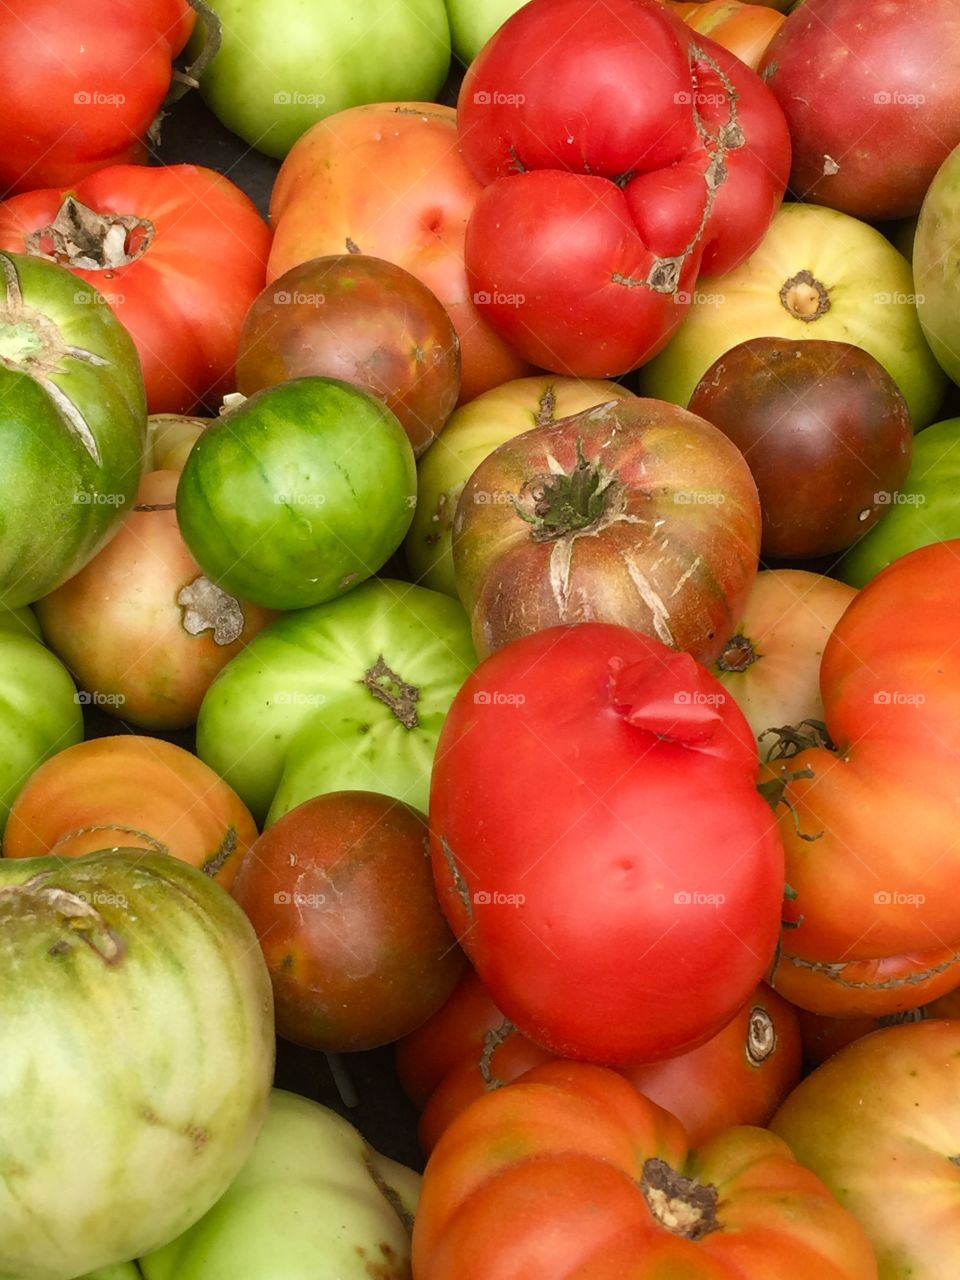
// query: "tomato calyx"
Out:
[73,912]
[80,237]
[207,607]
[682,1206]
[671,697]
[804,297]
[761,1042]
[183,79]
[739,655]
[387,687]
[567,502]
[790,740]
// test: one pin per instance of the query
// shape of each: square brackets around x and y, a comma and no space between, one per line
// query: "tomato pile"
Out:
[479,624]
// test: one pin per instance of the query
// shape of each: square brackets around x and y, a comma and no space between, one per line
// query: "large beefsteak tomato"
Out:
[599,846]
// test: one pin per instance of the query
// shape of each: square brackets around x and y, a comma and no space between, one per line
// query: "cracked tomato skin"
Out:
[632,155]
[592,784]
[570,1174]
[80,84]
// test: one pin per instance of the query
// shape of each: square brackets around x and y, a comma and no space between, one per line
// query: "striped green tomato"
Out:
[73,422]
[136,1056]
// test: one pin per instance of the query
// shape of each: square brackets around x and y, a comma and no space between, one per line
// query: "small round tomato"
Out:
[340,894]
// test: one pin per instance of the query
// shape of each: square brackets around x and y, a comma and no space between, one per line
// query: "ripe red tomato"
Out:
[570,1174]
[178,252]
[80,84]
[599,845]
[622,153]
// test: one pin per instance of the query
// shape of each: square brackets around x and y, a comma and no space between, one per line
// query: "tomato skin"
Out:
[531,865]
[888,800]
[823,1036]
[184,299]
[740,1076]
[132,791]
[744,29]
[81,84]
[867,988]
[603,202]
[554,1177]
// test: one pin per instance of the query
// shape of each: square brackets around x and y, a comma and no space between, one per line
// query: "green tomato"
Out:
[348,695]
[301,492]
[73,423]
[21,622]
[936,265]
[926,509]
[817,273]
[470,436]
[40,712]
[313,1202]
[473,22]
[285,65]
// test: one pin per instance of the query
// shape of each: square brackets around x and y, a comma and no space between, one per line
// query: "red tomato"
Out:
[178,252]
[622,153]
[80,84]
[468,1048]
[870,825]
[570,1174]
[599,845]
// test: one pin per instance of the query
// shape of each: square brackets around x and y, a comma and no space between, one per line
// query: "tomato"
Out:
[72,426]
[925,509]
[469,1048]
[139,792]
[771,664]
[634,512]
[744,29]
[81,84]
[311,1189]
[340,894]
[571,1173]
[936,262]
[40,712]
[365,321]
[311,63]
[867,142]
[880,1123]
[299,493]
[866,988]
[133,950]
[140,627]
[615,169]
[824,1036]
[347,696]
[470,436]
[816,274]
[869,827]
[178,252]
[390,181]
[170,437]
[551,750]
[825,431]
